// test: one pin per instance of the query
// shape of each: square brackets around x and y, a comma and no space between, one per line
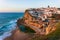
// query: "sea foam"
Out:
[9,27]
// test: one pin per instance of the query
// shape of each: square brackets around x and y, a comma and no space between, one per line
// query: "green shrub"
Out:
[52,36]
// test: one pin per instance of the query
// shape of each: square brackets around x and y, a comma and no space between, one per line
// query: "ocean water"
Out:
[8,23]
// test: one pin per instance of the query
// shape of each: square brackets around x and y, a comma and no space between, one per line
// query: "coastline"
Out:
[11,36]
[18,35]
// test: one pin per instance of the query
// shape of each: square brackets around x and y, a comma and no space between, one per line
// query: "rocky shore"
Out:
[37,20]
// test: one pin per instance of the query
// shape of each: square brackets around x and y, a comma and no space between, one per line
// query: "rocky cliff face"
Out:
[41,27]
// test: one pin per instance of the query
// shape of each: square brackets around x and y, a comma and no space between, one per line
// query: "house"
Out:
[37,19]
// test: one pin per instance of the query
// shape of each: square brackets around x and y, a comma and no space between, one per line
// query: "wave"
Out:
[5,30]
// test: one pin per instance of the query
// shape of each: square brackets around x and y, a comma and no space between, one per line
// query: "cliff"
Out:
[39,20]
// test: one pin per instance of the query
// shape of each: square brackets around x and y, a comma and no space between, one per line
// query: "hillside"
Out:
[52,36]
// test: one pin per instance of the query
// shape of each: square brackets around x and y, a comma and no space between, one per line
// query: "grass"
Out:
[52,36]
[56,34]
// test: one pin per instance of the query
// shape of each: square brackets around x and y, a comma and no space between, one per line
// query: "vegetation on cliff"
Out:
[52,36]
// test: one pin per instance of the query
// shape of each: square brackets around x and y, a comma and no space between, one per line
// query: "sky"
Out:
[21,5]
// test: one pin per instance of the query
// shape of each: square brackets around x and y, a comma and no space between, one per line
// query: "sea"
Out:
[8,23]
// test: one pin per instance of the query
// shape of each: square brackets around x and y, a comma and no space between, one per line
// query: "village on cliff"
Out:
[41,20]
